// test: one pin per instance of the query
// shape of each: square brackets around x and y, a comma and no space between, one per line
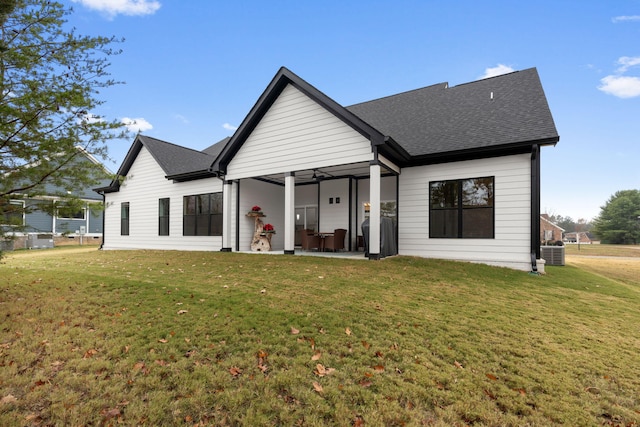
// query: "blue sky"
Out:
[194,68]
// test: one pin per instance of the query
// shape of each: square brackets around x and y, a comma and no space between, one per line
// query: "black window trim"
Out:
[210,215]
[460,208]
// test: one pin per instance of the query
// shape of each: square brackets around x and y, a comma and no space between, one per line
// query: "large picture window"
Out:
[163,217]
[462,208]
[124,219]
[202,215]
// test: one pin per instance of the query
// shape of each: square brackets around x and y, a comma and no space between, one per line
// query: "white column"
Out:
[374,211]
[289,213]
[227,213]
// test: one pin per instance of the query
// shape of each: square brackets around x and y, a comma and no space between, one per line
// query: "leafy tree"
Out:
[50,78]
[619,219]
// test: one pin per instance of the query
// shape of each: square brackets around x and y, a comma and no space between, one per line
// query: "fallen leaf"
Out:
[365,383]
[368,374]
[317,387]
[235,371]
[112,413]
[490,395]
[163,341]
[139,366]
[9,398]
[492,377]
[458,365]
[358,421]
[294,331]
[378,354]
[347,331]
[264,291]
[378,368]
[316,355]
[182,311]
[366,345]
[90,353]
[320,370]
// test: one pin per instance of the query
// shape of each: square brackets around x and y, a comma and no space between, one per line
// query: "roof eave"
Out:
[481,152]
[191,176]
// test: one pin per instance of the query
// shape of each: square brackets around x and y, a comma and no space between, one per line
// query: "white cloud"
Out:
[496,71]
[621,86]
[627,62]
[228,126]
[136,125]
[626,18]
[181,118]
[125,7]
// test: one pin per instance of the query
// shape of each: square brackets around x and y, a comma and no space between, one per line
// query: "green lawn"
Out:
[177,338]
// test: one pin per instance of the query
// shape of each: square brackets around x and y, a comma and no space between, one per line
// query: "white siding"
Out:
[511,245]
[334,215]
[297,134]
[145,184]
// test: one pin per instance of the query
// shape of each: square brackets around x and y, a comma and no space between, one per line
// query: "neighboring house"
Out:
[456,168]
[36,219]
[550,232]
[578,237]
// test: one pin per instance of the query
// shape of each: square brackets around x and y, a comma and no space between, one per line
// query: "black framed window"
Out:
[202,215]
[163,217]
[462,208]
[124,219]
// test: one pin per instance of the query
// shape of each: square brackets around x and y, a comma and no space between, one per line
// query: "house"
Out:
[35,221]
[578,237]
[550,232]
[456,168]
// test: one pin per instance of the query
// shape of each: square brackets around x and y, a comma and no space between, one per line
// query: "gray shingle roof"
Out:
[493,112]
[175,159]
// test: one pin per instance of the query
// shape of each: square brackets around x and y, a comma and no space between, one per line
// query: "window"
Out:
[124,219]
[462,208]
[163,217]
[64,211]
[11,212]
[202,215]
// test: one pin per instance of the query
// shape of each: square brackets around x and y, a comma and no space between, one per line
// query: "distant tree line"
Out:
[617,223]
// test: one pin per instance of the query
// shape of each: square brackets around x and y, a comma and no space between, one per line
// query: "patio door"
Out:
[306,217]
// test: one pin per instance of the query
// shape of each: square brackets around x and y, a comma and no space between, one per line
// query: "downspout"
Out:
[104,214]
[535,207]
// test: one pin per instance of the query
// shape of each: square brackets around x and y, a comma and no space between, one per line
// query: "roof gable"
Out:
[280,81]
[178,163]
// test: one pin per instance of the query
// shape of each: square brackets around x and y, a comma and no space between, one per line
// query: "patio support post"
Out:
[289,213]
[374,211]
[227,211]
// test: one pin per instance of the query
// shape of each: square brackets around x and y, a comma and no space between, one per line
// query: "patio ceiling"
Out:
[357,170]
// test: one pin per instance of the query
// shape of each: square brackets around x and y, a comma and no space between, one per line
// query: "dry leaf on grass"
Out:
[317,387]
[458,365]
[182,311]
[316,355]
[347,331]
[235,371]
[9,398]
[90,353]
[294,331]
